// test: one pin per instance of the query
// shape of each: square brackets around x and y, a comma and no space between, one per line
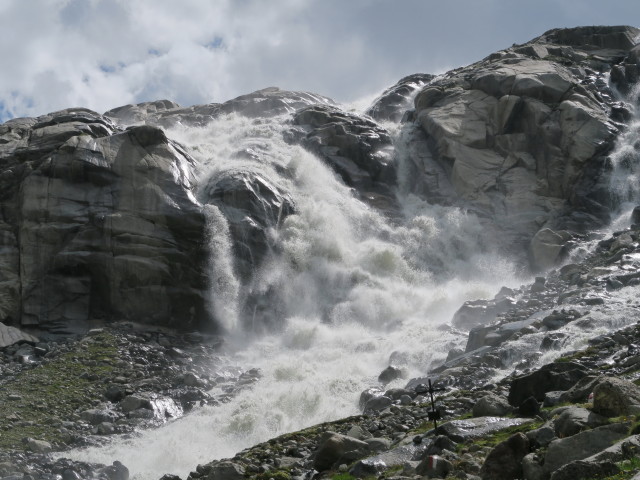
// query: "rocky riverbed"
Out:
[539,422]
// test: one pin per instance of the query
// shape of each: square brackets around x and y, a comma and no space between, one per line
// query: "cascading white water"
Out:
[625,176]
[224,286]
[352,289]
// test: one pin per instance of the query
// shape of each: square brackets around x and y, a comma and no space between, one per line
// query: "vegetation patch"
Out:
[36,401]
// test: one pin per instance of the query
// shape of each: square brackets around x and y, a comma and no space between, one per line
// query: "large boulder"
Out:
[395,100]
[98,224]
[334,448]
[550,377]
[614,396]
[504,462]
[582,445]
[523,135]
[358,149]
[575,419]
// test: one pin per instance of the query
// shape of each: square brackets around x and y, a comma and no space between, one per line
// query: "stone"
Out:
[504,462]
[377,404]
[11,335]
[225,470]
[575,419]
[395,100]
[491,405]
[582,445]
[96,416]
[334,448]
[550,377]
[434,466]
[529,407]
[134,402]
[471,428]
[115,393]
[116,471]
[582,469]
[358,149]
[614,396]
[390,374]
[38,446]
[541,437]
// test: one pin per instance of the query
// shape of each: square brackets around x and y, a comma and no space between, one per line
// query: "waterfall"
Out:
[625,160]
[352,292]
[224,285]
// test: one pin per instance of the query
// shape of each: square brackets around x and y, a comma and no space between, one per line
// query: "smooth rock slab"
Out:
[582,445]
[461,430]
[10,335]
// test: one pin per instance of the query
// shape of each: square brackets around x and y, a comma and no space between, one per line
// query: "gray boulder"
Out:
[550,377]
[582,445]
[575,419]
[225,470]
[358,149]
[583,469]
[614,396]
[104,223]
[395,100]
[334,448]
[504,462]
[491,405]
[434,466]
[11,335]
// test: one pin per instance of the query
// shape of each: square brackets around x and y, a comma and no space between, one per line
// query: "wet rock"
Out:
[529,407]
[559,319]
[96,416]
[37,446]
[390,374]
[135,402]
[225,470]
[116,471]
[356,148]
[377,404]
[395,100]
[504,462]
[115,393]
[461,430]
[546,248]
[541,437]
[11,335]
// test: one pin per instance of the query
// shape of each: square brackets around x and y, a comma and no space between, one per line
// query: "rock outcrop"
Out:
[98,223]
[522,137]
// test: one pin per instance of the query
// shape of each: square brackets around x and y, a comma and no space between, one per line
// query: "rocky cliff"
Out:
[101,217]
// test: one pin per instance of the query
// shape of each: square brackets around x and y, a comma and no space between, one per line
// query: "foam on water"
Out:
[351,290]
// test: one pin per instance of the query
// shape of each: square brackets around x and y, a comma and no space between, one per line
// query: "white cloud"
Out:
[105,53]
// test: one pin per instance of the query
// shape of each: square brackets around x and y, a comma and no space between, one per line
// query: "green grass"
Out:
[53,391]
[628,469]
[493,439]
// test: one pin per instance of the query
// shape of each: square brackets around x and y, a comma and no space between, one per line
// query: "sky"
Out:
[101,54]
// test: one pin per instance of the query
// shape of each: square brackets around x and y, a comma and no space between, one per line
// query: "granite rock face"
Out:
[522,136]
[98,223]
